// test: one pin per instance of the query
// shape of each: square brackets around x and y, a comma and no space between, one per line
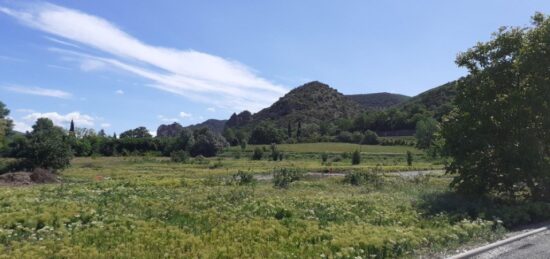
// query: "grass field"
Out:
[148,207]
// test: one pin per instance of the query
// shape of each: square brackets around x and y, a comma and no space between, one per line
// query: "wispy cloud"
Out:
[119,92]
[185,115]
[211,109]
[105,125]
[39,91]
[167,119]
[196,75]
[12,59]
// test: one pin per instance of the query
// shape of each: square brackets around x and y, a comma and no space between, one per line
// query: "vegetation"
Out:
[378,101]
[46,147]
[148,207]
[497,136]
[356,158]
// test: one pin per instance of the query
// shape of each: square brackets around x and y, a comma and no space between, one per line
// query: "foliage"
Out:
[274,152]
[360,178]
[266,133]
[356,157]
[258,154]
[370,138]
[409,158]
[324,157]
[426,130]
[120,207]
[498,135]
[284,176]
[179,156]
[46,147]
[140,132]
[207,143]
[244,178]
[6,124]
[378,101]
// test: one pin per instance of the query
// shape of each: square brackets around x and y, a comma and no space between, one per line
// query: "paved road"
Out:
[536,246]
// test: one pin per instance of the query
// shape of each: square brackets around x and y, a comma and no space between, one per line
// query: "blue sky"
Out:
[121,64]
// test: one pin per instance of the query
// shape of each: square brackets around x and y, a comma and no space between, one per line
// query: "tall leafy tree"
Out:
[47,147]
[499,134]
[5,123]
[426,130]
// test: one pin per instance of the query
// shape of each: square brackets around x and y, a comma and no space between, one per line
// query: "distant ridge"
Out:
[172,130]
[378,101]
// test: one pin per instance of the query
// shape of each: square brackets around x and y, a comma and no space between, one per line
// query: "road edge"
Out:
[494,245]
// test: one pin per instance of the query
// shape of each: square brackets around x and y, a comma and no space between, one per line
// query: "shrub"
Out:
[284,176]
[370,138]
[360,178]
[207,143]
[409,158]
[179,156]
[243,178]
[324,157]
[356,157]
[274,152]
[257,154]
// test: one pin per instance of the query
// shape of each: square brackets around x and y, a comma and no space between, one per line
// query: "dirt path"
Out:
[404,174]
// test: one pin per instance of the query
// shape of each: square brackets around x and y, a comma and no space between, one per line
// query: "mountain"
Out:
[313,102]
[378,101]
[212,124]
[172,130]
[437,101]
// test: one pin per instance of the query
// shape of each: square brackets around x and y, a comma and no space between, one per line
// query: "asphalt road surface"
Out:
[532,247]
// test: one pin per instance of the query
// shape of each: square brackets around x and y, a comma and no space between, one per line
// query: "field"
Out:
[149,207]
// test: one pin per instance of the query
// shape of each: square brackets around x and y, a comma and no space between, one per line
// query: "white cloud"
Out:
[88,65]
[21,126]
[119,92]
[63,120]
[166,119]
[196,75]
[105,125]
[211,109]
[185,115]
[39,91]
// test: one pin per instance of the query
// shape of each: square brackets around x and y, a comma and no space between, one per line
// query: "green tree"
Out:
[266,133]
[207,143]
[498,134]
[5,124]
[47,147]
[140,132]
[426,130]
[370,138]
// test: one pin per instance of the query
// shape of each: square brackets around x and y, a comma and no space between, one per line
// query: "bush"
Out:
[207,143]
[243,178]
[274,152]
[370,138]
[409,158]
[258,154]
[324,157]
[356,157]
[179,156]
[284,176]
[360,178]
